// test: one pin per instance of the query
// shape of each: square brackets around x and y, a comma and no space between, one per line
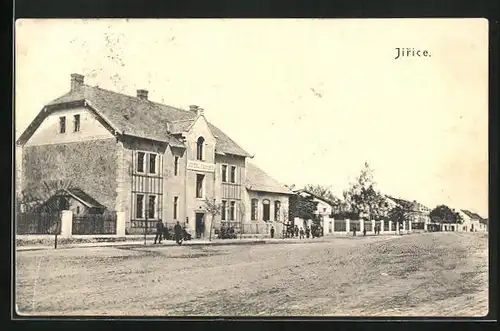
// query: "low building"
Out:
[472,222]
[324,211]
[148,160]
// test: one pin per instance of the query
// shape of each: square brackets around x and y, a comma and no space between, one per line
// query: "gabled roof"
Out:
[474,216]
[314,195]
[468,213]
[81,196]
[258,180]
[412,205]
[137,117]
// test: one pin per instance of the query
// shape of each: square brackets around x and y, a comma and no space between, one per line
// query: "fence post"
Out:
[66,223]
[120,224]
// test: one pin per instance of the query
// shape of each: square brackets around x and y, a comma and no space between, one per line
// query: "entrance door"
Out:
[200,225]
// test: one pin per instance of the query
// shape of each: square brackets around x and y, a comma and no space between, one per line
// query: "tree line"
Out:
[362,200]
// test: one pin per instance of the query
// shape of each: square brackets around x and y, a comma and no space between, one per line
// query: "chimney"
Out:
[200,111]
[76,81]
[142,94]
[193,108]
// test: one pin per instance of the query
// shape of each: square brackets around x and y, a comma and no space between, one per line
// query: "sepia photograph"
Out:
[251,167]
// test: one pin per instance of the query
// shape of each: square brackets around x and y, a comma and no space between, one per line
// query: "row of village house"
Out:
[148,161]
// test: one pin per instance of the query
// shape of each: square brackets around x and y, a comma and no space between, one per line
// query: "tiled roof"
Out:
[144,118]
[258,180]
[475,216]
[91,202]
[315,196]
[414,206]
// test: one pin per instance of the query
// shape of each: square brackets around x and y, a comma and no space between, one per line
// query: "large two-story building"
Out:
[148,160]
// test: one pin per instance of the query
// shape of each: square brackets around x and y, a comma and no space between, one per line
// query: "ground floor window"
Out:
[277,206]
[139,206]
[266,210]
[231,211]
[223,210]
[254,209]
[152,206]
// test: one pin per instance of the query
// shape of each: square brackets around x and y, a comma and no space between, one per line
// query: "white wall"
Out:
[48,131]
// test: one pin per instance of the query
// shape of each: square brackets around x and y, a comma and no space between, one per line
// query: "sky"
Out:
[312,99]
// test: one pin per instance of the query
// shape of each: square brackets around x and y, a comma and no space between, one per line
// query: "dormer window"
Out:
[199,148]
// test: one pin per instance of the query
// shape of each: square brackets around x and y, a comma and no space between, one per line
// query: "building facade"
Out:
[149,160]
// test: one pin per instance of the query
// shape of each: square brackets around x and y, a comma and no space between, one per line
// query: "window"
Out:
[176,166]
[62,124]
[277,206]
[140,162]
[233,174]
[152,163]
[199,148]
[176,199]
[223,210]
[266,210]
[76,123]
[199,185]
[78,209]
[139,206]
[254,210]
[224,173]
[151,206]
[231,210]
[324,210]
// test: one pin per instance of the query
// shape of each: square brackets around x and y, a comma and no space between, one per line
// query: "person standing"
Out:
[364,232]
[296,231]
[308,232]
[159,231]
[178,233]
[301,233]
[272,231]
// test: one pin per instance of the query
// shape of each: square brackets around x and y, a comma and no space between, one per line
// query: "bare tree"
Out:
[40,195]
[213,208]
[285,221]
[241,214]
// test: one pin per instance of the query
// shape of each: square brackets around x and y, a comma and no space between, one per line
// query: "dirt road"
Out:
[434,274]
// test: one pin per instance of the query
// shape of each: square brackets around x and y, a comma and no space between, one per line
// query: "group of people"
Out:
[180,233]
[293,231]
[376,230]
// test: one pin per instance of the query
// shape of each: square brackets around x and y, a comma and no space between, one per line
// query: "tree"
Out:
[302,207]
[213,209]
[443,214]
[39,197]
[320,191]
[362,196]
[241,213]
[398,215]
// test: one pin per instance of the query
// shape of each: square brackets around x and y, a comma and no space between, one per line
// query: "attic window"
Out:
[76,122]
[62,124]
[126,117]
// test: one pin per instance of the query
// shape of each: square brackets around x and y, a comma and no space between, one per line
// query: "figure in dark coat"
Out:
[159,231]
[308,232]
[178,233]
[272,231]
